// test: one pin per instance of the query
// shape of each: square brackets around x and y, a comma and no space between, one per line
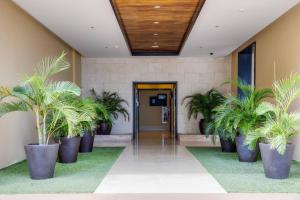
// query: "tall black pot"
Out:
[103,128]
[227,146]
[244,153]
[276,166]
[86,143]
[68,149]
[202,126]
[41,160]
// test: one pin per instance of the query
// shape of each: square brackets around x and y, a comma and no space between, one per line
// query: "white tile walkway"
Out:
[157,167]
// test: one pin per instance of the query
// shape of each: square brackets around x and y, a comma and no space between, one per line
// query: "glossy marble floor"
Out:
[156,164]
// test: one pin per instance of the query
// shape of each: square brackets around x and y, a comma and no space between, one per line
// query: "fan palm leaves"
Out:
[280,125]
[113,103]
[203,103]
[42,96]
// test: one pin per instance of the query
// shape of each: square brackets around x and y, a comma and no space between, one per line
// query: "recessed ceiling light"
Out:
[155,46]
[92,27]
[211,54]
[116,46]
[155,34]
[242,9]
[157,6]
[156,22]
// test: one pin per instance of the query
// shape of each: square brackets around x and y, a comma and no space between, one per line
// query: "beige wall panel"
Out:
[278,43]
[23,42]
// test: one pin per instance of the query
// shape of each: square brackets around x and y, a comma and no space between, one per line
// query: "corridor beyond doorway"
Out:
[155,109]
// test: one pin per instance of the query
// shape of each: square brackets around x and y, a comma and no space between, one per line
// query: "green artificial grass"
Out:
[238,177]
[81,177]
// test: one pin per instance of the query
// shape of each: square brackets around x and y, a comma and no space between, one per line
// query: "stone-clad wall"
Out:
[193,75]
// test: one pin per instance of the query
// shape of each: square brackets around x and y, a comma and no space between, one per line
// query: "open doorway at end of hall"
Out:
[155,111]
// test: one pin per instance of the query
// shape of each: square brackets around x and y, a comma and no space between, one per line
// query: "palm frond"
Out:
[12,107]
[52,65]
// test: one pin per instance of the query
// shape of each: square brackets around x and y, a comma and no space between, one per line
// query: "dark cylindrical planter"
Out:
[227,146]
[276,166]
[244,153]
[103,129]
[41,160]
[68,149]
[86,143]
[202,126]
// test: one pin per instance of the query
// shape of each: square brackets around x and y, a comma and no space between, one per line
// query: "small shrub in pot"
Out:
[204,104]
[115,105]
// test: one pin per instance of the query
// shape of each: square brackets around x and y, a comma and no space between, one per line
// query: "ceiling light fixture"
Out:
[116,46]
[156,22]
[155,34]
[92,27]
[157,6]
[155,46]
[242,9]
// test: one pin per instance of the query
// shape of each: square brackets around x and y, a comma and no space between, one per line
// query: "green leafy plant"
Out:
[86,111]
[238,114]
[43,96]
[216,129]
[281,125]
[203,103]
[113,103]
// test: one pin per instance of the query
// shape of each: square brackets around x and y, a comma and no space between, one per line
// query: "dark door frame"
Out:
[134,121]
[253,47]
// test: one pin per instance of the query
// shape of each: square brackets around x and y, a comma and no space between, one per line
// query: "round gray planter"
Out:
[41,160]
[276,166]
[68,149]
[86,143]
[227,146]
[244,153]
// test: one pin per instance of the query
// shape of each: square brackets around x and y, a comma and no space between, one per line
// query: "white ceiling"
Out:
[238,21]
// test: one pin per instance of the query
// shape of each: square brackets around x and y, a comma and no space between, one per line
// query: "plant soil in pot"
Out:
[104,129]
[227,146]
[68,149]
[86,143]
[41,160]
[244,153]
[276,166]
[202,126]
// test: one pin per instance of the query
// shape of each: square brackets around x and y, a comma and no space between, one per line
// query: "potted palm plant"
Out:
[114,105]
[238,116]
[227,139]
[40,95]
[85,115]
[275,135]
[204,104]
[88,127]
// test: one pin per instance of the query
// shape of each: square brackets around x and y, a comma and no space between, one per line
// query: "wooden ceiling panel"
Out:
[171,20]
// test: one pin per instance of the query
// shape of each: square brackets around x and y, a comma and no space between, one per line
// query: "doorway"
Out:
[154,111]
[246,65]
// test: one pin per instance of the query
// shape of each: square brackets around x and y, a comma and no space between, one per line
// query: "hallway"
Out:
[157,165]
